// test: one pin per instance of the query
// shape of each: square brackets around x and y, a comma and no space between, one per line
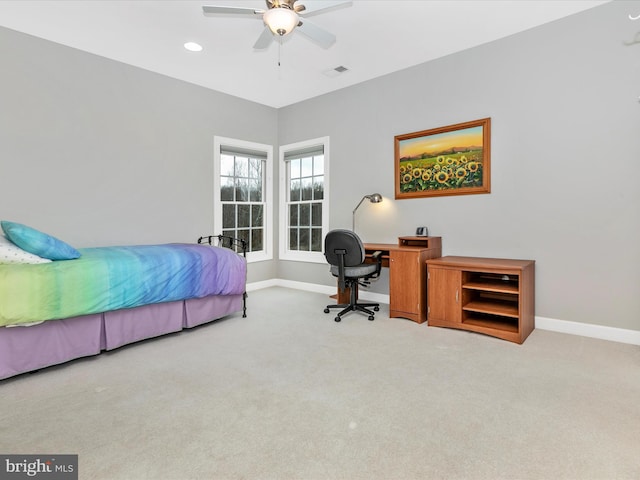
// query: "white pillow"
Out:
[11,253]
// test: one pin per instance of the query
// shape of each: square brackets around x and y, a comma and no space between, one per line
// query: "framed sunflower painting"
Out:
[452,160]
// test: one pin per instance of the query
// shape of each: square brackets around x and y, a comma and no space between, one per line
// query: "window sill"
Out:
[308,257]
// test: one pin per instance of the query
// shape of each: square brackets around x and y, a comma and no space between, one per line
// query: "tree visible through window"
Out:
[306,193]
[242,193]
[304,200]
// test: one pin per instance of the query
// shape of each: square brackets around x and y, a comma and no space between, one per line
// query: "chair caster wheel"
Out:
[337,319]
[371,318]
[326,310]
[376,309]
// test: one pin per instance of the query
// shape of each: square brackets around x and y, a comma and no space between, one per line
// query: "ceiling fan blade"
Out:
[264,40]
[214,10]
[313,7]
[317,34]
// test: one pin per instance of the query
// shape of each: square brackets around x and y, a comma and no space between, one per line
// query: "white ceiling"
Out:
[374,37]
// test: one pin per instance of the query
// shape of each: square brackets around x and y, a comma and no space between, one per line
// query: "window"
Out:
[304,200]
[242,188]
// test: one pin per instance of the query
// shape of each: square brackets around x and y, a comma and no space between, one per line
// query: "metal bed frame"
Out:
[238,245]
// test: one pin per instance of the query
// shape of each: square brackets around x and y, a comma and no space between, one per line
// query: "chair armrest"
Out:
[377,256]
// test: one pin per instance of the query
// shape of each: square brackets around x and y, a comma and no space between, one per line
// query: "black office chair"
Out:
[344,251]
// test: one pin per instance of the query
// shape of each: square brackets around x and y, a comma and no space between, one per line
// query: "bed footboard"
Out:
[238,245]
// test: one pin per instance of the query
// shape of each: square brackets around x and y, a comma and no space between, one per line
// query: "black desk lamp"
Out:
[373,198]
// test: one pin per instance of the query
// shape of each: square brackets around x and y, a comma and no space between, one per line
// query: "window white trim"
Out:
[231,144]
[296,255]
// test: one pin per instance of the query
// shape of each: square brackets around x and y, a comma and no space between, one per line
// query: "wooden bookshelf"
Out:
[493,296]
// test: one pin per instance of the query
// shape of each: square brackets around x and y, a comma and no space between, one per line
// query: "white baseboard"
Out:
[601,332]
[308,287]
[325,289]
[251,287]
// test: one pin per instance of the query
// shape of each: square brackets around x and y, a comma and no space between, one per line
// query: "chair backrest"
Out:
[343,240]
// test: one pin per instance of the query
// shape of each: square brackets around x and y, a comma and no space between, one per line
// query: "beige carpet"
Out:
[289,394]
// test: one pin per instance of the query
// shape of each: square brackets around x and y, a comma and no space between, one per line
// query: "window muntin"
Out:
[306,192]
[304,211]
[243,181]
[242,194]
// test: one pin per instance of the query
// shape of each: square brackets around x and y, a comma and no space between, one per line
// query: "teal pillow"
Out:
[38,243]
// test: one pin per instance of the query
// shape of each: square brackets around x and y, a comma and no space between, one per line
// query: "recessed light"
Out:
[193,47]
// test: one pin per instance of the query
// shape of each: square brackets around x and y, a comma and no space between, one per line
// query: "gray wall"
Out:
[101,153]
[563,99]
[97,152]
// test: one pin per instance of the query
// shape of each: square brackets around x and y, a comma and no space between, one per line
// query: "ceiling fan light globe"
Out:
[281,21]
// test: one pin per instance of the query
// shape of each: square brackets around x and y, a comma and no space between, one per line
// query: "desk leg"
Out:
[344,297]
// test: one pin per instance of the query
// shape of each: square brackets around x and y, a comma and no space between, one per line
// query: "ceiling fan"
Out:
[283,17]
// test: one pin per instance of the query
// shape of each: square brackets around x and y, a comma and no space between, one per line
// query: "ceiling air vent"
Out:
[334,72]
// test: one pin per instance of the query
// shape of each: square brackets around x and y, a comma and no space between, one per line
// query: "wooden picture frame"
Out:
[451,160]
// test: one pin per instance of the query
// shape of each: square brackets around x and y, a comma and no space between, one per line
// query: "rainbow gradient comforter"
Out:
[111,278]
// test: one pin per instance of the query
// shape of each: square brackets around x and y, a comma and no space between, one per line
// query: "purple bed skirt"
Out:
[24,349]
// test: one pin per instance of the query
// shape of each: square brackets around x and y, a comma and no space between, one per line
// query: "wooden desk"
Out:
[406,261]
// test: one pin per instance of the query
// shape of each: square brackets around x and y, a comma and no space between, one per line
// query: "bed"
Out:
[107,297]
